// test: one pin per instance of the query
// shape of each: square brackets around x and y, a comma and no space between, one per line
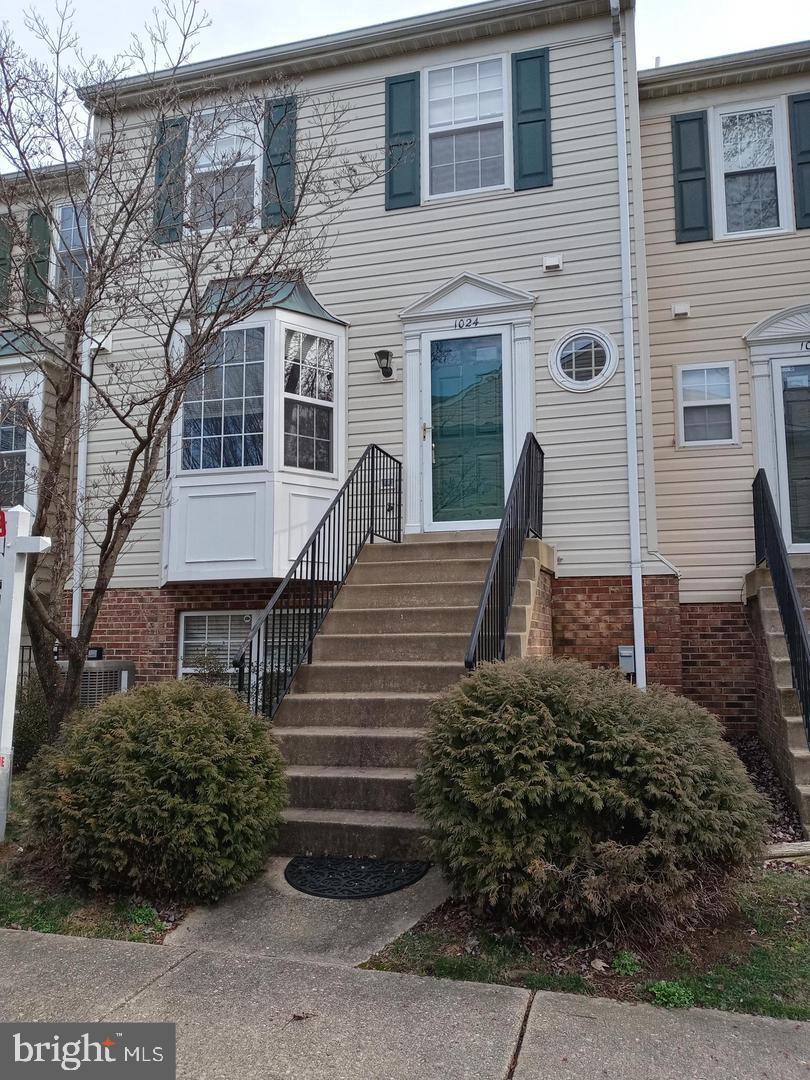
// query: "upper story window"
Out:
[707,405]
[71,250]
[223,413]
[752,170]
[13,442]
[466,131]
[226,172]
[309,396]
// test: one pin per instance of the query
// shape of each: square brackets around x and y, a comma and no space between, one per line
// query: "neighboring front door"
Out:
[463,433]
[792,394]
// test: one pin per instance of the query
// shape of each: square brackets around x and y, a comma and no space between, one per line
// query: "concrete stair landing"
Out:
[350,728]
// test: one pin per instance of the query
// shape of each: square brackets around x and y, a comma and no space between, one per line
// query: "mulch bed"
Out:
[785,826]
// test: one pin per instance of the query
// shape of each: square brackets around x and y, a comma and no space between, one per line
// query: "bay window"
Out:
[13,446]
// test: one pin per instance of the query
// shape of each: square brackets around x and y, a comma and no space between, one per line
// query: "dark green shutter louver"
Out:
[800,151]
[5,263]
[531,119]
[38,261]
[171,136]
[280,123]
[402,135]
[690,164]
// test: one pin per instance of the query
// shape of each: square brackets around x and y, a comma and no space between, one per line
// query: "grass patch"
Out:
[755,960]
[36,896]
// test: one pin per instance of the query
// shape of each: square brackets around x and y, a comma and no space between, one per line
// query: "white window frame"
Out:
[56,237]
[21,377]
[731,367]
[289,321]
[582,386]
[187,672]
[252,323]
[784,180]
[508,154]
[258,162]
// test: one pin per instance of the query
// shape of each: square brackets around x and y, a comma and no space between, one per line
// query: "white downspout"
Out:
[81,485]
[634,506]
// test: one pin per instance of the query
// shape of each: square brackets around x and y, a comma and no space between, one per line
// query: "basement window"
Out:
[210,641]
[707,405]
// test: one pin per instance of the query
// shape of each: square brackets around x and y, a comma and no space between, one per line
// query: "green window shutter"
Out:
[531,119]
[5,263]
[280,123]
[38,261]
[402,138]
[171,137]
[800,148]
[690,164]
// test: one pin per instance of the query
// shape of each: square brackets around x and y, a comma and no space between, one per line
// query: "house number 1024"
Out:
[465,324]
[805,346]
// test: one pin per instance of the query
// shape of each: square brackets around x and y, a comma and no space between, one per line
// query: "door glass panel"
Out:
[796,398]
[466,382]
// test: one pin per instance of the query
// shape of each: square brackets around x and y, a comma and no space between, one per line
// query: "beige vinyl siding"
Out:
[381,262]
[703,495]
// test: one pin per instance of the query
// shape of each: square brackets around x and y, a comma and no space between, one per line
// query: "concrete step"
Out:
[392,647]
[413,620]
[768,601]
[380,710]
[419,570]
[796,733]
[777,644]
[384,748]
[421,594]
[429,550]
[360,833]
[800,762]
[326,787]
[329,676]
[802,802]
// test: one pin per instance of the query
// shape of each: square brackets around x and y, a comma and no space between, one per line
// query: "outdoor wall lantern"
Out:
[383,358]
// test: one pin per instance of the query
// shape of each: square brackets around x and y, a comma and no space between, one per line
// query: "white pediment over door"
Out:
[792,324]
[469,292]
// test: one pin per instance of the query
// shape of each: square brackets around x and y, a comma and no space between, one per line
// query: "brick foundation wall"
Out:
[592,616]
[720,664]
[142,625]
[540,641]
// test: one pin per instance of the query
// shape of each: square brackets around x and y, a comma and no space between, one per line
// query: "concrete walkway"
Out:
[261,1018]
[270,918]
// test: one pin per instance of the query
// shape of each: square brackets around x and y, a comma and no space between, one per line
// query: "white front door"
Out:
[466,427]
[791,389]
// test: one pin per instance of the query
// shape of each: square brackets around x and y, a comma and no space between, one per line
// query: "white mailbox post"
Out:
[19,545]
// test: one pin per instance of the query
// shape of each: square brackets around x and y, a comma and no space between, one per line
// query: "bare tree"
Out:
[141,219]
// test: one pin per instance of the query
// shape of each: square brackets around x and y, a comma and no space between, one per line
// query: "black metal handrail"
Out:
[770,548]
[368,505]
[522,517]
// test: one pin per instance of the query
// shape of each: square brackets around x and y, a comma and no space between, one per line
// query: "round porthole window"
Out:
[583,359]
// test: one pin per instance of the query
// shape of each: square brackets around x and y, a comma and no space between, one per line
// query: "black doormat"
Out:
[351,879]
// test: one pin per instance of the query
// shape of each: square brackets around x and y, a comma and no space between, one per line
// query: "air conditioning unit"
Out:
[101,678]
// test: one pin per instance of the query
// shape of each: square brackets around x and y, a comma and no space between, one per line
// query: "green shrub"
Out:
[562,795]
[173,790]
[626,963]
[30,723]
[671,995]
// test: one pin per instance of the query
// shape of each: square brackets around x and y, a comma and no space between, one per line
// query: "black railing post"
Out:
[373,464]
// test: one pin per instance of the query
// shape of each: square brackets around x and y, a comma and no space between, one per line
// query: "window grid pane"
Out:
[583,359]
[13,438]
[223,414]
[707,423]
[71,256]
[309,377]
[749,167]
[466,160]
[224,180]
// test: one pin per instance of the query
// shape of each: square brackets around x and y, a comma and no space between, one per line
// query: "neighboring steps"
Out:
[350,728]
[788,745]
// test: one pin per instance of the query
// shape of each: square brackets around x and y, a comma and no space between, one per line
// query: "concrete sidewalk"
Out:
[259,1018]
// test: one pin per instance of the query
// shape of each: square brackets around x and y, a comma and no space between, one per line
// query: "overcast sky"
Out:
[675,30]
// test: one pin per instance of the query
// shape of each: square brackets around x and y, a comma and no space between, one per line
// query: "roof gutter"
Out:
[371,42]
[628,337]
